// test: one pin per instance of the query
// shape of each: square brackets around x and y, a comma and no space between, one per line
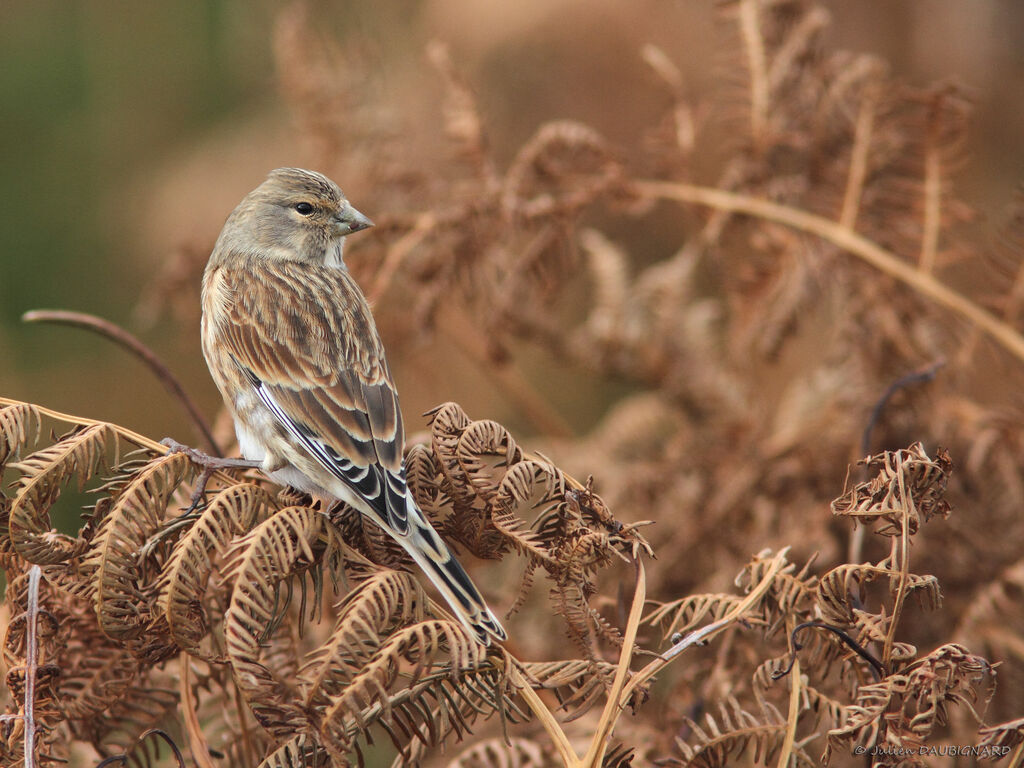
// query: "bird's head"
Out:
[295,215]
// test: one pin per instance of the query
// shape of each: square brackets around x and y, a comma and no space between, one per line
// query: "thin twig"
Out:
[842,237]
[753,39]
[129,342]
[862,134]
[31,663]
[932,224]
[1018,757]
[196,738]
[901,588]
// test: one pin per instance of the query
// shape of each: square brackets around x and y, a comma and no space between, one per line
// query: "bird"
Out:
[292,346]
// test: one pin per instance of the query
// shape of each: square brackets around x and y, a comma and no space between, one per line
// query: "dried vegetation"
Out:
[812,271]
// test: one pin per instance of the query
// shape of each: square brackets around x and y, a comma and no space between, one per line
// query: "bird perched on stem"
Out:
[291,343]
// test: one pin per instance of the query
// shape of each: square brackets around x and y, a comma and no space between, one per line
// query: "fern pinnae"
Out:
[368,614]
[183,579]
[484,438]
[499,753]
[256,564]
[687,613]
[115,573]
[78,455]
[20,424]
[418,645]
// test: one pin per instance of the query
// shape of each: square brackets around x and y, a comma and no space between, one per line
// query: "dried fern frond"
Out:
[498,753]
[365,698]
[20,424]
[285,544]
[75,457]
[907,489]
[578,684]
[112,564]
[904,709]
[382,603]
[717,741]
[1003,735]
[183,578]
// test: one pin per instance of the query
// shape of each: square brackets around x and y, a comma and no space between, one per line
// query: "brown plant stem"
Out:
[848,240]
[616,702]
[31,663]
[193,730]
[141,440]
[122,338]
[795,687]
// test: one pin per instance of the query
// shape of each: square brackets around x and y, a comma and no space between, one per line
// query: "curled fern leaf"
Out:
[78,455]
[418,647]
[257,563]
[113,564]
[182,582]
[19,423]
[381,603]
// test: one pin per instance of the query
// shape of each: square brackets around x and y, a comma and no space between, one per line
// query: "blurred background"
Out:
[128,134]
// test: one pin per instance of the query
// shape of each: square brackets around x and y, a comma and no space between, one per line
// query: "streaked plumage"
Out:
[293,348]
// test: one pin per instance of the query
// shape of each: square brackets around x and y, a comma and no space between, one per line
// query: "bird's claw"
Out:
[210,464]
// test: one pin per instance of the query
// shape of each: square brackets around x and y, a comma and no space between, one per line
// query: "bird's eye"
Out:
[304,208]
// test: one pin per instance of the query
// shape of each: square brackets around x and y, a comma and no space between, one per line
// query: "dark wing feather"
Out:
[305,337]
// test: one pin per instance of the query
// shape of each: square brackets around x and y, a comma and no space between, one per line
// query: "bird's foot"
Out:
[210,464]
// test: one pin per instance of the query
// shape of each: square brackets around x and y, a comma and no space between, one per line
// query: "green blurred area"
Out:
[92,95]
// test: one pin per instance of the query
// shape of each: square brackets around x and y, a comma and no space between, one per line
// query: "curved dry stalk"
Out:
[705,633]
[848,240]
[616,703]
[544,716]
[127,434]
[193,730]
[753,40]
[122,338]
[901,590]
[791,718]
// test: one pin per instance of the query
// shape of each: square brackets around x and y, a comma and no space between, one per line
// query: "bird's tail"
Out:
[447,574]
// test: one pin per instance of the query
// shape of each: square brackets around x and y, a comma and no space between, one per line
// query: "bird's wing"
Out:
[304,337]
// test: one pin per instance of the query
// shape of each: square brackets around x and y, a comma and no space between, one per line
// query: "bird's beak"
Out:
[350,220]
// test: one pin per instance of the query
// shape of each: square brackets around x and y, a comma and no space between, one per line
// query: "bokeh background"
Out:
[129,133]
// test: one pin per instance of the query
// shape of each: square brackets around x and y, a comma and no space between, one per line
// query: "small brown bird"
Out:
[291,343]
